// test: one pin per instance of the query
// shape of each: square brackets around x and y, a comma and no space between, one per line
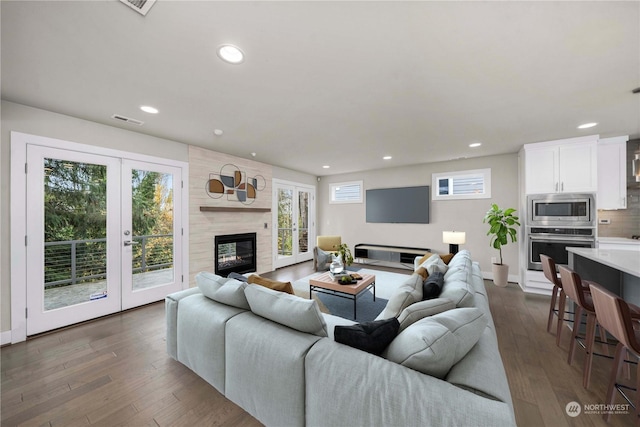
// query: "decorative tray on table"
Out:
[347,278]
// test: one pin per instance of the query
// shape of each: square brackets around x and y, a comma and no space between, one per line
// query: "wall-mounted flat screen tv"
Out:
[408,205]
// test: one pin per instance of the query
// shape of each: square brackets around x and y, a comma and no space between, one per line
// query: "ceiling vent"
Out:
[127,119]
[140,6]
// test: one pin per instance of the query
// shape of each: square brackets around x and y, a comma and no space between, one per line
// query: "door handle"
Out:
[130,243]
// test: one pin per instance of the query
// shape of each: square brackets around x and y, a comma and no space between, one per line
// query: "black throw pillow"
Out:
[372,337]
[432,286]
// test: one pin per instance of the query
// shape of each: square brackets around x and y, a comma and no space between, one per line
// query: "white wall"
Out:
[348,220]
[21,118]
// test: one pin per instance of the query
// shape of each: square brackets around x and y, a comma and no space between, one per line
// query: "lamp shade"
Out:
[454,237]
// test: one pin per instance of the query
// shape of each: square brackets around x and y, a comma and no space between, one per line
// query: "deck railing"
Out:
[75,261]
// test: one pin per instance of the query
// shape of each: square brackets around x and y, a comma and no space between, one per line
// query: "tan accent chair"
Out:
[329,243]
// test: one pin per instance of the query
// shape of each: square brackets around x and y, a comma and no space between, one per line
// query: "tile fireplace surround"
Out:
[205,225]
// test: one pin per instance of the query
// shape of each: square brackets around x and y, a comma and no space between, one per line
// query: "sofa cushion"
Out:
[432,286]
[285,287]
[434,344]
[321,259]
[289,310]
[434,263]
[372,337]
[408,293]
[222,289]
[422,309]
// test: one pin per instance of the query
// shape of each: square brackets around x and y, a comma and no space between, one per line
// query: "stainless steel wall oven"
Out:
[553,242]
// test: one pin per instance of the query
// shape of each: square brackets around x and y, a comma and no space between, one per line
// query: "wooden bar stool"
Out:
[572,285]
[618,317]
[549,269]
[558,295]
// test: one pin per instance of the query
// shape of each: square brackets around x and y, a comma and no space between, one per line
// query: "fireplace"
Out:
[235,253]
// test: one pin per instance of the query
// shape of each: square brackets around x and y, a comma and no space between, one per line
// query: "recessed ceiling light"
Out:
[475,144]
[218,132]
[230,54]
[326,167]
[253,154]
[387,158]
[149,109]
[587,125]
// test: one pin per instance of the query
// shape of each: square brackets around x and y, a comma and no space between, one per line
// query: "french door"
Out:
[294,223]
[103,234]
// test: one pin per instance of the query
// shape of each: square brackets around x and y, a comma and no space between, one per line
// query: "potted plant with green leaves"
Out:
[345,254]
[502,225]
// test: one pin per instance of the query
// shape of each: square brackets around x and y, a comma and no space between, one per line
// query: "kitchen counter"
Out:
[626,261]
[616,269]
[618,243]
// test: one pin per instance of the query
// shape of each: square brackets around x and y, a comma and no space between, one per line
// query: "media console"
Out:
[399,254]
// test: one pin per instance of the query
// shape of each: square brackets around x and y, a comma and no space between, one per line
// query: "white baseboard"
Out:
[512,278]
[5,337]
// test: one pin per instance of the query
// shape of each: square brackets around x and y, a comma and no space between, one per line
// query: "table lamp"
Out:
[453,238]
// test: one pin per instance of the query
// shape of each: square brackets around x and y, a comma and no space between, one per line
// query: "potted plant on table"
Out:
[345,253]
[502,229]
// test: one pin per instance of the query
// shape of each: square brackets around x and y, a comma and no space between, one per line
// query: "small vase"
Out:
[500,274]
[336,266]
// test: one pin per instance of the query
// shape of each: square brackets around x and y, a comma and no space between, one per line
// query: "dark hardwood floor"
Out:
[115,371]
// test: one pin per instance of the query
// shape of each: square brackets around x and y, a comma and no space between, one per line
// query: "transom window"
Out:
[346,192]
[471,184]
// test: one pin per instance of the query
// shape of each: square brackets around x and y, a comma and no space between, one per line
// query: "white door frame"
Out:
[296,257]
[19,142]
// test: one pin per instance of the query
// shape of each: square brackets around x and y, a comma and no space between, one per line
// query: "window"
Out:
[345,192]
[471,184]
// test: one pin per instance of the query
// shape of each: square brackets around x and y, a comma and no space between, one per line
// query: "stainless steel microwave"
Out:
[571,210]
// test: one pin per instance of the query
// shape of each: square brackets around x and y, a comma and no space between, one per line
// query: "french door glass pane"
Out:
[303,222]
[152,228]
[285,222]
[75,227]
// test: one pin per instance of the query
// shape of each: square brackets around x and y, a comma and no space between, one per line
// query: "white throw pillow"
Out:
[434,344]
[222,289]
[289,310]
[434,263]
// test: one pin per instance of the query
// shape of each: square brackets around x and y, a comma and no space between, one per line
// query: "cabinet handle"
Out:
[624,202]
[556,186]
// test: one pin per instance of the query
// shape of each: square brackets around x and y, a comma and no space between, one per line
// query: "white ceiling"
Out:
[333,83]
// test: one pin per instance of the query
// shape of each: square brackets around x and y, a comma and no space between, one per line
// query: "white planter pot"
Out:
[500,274]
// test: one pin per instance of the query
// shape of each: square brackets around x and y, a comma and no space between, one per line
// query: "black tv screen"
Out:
[408,205]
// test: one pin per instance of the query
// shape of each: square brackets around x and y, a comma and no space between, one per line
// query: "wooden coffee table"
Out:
[326,284]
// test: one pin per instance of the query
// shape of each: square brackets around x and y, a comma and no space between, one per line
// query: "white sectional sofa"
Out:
[274,355]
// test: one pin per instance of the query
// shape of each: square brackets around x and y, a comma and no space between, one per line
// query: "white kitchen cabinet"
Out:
[568,166]
[612,173]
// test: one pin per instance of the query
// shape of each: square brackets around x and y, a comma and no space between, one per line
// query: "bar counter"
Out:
[616,269]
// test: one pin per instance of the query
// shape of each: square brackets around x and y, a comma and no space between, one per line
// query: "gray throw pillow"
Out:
[434,344]
[321,259]
[432,286]
[297,313]
[223,290]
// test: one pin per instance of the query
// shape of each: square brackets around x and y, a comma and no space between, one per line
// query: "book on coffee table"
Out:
[339,276]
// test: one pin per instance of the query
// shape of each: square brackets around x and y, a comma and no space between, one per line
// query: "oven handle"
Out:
[561,239]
